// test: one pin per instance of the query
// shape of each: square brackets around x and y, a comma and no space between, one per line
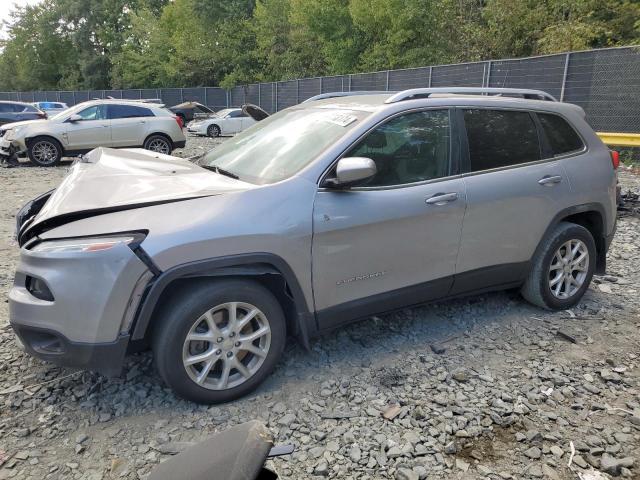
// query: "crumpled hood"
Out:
[108,180]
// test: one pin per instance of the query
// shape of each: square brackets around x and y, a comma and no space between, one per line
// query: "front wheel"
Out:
[217,341]
[158,144]
[562,268]
[44,151]
[213,131]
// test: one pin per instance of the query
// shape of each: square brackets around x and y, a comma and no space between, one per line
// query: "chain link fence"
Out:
[605,82]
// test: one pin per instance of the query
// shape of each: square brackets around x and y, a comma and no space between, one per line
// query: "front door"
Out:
[92,131]
[391,240]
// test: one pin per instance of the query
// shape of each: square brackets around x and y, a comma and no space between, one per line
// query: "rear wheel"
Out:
[213,131]
[44,151]
[218,341]
[562,269]
[159,144]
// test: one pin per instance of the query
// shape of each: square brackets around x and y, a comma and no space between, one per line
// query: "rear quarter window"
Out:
[561,136]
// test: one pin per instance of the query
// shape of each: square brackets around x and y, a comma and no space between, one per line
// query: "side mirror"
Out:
[351,170]
[74,118]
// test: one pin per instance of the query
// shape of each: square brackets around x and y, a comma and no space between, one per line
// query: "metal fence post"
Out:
[564,76]
[74,97]
[320,85]
[430,75]
[260,95]
[297,91]
[489,73]
[349,82]
[386,87]
[275,87]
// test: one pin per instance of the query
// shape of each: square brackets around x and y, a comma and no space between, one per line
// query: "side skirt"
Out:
[495,278]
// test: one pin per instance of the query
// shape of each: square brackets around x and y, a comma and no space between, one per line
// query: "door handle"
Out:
[143,121]
[549,180]
[441,198]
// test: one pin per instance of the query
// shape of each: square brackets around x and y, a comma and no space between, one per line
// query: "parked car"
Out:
[187,111]
[51,108]
[97,123]
[18,111]
[321,214]
[225,122]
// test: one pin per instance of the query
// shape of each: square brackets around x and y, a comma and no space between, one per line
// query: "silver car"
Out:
[97,123]
[326,212]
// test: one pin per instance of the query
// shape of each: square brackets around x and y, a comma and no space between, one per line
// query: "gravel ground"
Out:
[482,387]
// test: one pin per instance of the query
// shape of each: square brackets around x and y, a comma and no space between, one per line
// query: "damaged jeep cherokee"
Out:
[324,213]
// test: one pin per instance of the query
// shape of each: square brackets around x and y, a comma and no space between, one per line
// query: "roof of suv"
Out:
[377,102]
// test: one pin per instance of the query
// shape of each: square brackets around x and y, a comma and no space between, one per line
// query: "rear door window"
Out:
[6,107]
[128,111]
[561,136]
[500,138]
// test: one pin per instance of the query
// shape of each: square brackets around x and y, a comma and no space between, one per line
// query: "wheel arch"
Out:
[28,140]
[162,134]
[592,217]
[269,270]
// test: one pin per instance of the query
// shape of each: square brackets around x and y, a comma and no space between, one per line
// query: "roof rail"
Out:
[426,92]
[345,94]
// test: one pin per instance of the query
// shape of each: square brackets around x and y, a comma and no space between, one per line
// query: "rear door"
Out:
[514,189]
[90,132]
[130,124]
[391,240]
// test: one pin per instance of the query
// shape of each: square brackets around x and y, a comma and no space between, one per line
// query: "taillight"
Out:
[615,159]
[179,120]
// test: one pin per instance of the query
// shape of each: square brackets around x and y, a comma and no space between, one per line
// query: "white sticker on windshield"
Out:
[342,119]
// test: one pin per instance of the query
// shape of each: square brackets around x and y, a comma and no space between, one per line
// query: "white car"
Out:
[224,122]
[88,125]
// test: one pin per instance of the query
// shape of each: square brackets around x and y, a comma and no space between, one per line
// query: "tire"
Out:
[44,151]
[213,131]
[542,287]
[185,314]
[159,144]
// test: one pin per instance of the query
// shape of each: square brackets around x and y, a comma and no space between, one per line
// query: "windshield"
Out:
[283,144]
[223,113]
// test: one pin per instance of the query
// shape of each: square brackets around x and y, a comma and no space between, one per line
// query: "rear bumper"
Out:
[179,144]
[54,347]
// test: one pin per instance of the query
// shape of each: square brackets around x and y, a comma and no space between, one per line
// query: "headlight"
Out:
[94,244]
[10,134]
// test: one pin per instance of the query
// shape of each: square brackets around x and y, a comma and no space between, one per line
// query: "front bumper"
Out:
[106,358]
[10,150]
[84,322]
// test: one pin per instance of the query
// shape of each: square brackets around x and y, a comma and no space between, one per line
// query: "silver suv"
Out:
[97,123]
[326,212]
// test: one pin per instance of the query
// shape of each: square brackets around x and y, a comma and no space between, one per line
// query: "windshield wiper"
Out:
[221,171]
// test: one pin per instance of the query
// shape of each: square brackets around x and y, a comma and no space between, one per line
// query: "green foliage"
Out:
[97,44]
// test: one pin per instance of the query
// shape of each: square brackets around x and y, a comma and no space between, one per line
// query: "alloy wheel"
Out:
[159,145]
[568,269]
[226,345]
[44,153]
